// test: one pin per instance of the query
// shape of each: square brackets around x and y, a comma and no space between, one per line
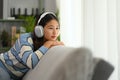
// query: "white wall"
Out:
[29,4]
[22,4]
[5,11]
[50,5]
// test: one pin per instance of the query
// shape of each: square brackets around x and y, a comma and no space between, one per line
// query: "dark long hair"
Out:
[38,42]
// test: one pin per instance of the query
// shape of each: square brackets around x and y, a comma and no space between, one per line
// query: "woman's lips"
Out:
[53,36]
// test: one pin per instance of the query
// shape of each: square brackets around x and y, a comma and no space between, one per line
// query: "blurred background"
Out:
[90,23]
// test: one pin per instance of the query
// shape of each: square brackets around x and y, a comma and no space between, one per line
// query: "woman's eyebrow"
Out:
[53,26]
[50,26]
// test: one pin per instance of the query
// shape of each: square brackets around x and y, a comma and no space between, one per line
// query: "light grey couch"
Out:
[67,63]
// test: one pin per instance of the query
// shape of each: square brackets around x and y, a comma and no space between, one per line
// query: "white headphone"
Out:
[39,32]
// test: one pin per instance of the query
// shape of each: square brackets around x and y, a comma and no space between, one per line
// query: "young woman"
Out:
[30,47]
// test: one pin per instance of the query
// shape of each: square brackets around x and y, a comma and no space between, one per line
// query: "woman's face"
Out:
[51,30]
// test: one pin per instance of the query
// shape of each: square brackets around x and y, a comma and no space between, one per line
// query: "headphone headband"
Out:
[43,15]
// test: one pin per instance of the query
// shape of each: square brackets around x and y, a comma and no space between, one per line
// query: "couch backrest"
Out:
[63,63]
[67,63]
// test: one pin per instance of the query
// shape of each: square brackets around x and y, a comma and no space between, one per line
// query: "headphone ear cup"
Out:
[39,32]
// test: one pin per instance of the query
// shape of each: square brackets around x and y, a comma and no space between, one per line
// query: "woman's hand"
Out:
[49,44]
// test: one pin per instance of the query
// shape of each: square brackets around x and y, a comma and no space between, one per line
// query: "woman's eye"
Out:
[57,28]
[50,28]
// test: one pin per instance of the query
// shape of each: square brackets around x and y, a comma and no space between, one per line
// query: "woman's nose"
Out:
[55,31]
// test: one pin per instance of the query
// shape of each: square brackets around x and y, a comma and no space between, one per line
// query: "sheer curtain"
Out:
[101,30]
[94,24]
[70,19]
[118,34]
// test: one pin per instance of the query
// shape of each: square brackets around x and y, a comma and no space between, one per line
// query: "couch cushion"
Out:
[63,63]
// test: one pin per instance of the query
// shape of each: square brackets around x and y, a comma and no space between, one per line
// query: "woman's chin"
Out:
[53,39]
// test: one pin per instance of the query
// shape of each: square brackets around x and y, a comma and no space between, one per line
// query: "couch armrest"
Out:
[103,69]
